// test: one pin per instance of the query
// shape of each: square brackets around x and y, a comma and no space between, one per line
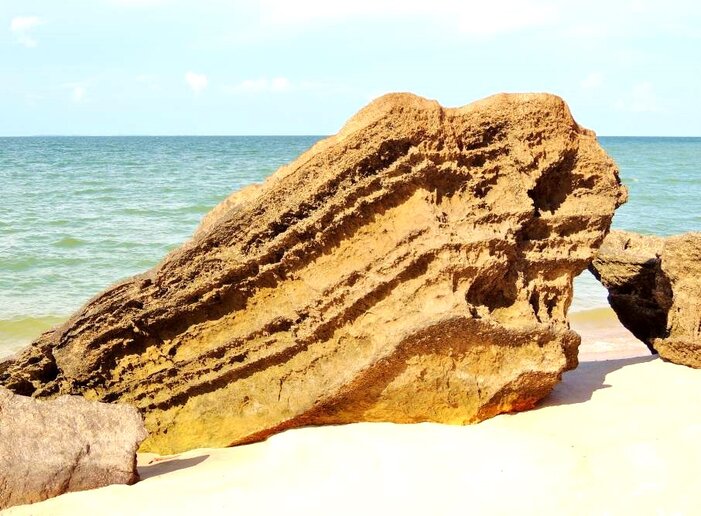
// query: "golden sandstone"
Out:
[417,266]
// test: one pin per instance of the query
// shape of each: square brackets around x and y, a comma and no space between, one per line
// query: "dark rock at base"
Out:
[50,447]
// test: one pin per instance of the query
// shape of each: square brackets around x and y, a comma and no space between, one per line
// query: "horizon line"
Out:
[153,135]
[273,135]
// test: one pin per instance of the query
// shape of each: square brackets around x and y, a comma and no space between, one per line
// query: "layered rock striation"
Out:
[654,286]
[417,266]
[48,448]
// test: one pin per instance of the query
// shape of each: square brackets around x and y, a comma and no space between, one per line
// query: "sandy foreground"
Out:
[619,435]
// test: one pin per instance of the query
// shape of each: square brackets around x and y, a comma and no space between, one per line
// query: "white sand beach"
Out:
[619,435]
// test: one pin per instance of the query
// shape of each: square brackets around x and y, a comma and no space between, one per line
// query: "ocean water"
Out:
[663,176]
[80,213]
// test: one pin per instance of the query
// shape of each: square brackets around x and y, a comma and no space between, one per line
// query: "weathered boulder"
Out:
[50,447]
[654,286]
[628,265]
[416,266]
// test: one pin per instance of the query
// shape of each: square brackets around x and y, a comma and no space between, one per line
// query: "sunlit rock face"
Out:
[417,266]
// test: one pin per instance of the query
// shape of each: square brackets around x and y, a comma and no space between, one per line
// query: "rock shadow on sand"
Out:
[579,385]
[162,466]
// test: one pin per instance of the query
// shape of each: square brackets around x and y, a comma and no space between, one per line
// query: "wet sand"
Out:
[603,337]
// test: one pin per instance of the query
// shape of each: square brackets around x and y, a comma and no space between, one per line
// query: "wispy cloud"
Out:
[22,27]
[490,18]
[78,93]
[476,18]
[197,82]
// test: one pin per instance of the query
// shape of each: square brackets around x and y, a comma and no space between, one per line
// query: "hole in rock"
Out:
[603,335]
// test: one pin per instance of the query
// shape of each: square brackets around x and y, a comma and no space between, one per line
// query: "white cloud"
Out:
[24,23]
[642,100]
[476,18]
[280,84]
[592,81]
[261,85]
[197,82]
[78,93]
[488,18]
[22,26]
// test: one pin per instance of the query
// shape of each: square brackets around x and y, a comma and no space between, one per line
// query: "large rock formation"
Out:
[67,444]
[416,266]
[654,286]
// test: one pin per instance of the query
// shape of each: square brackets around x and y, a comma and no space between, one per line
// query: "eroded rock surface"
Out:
[50,447]
[654,286]
[415,267]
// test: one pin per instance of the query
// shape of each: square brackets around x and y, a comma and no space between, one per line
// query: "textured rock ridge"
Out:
[67,444]
[654,286]
[416,266]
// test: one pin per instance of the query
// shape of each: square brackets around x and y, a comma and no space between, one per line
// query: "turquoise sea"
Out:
[80,213]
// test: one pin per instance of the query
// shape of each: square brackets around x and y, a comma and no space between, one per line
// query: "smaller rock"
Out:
[66,444]
[654,286]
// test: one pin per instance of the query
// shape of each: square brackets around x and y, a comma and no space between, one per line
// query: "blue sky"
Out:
[102,67]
